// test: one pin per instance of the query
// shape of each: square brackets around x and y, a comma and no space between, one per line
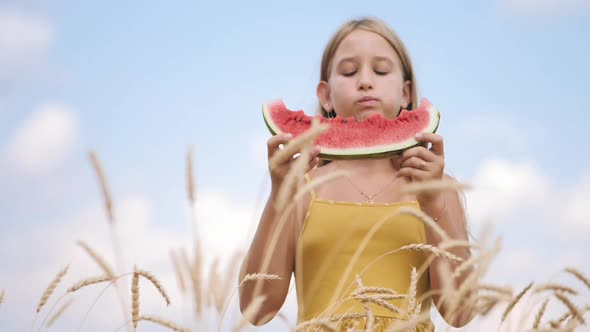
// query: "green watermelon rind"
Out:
[369,152]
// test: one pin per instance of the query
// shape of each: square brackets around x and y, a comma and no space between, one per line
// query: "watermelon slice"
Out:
[347,138]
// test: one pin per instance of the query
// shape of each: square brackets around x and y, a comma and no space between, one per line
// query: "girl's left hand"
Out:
[421,163]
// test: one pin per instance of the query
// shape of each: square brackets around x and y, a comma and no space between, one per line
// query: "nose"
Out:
[365,81]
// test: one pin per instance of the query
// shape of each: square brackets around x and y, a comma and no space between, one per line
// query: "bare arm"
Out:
[426,164]
[453,222]
[280,263]
[272,250]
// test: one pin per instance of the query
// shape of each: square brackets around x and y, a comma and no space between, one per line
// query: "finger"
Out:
[434,139]
[272,144]
[415,173]
[418,151]
[415,162]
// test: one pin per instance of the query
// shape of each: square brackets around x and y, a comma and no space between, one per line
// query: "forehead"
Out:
[364,44]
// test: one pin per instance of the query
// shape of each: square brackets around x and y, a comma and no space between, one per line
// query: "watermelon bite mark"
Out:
[347,138]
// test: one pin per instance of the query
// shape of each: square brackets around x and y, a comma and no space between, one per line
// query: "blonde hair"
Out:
[379,27]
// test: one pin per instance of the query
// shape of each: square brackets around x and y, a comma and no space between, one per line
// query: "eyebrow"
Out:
[377,58]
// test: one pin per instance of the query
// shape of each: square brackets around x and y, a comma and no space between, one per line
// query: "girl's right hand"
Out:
[284,165]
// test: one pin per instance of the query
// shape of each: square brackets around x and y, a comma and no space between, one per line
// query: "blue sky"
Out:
[139,84]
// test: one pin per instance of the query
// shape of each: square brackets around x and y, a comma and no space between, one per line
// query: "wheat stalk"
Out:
[323,323]
[223,293]
[88,282]
[427,220]
[135,298]
[163,322]
[515,301]
[98,259]
[555,287]
[1,296]
[433,185]
[431,249]
[178,272]
[58,314]
[578,275]
[540,313]
[259,276]
[306,138]
[412,292]
[149,276]
[378,290]
[51,288]
[108,202]
[497,289]
[573,310]
[249,313]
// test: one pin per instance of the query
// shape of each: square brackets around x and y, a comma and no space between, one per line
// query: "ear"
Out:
[323,93]
[407,94]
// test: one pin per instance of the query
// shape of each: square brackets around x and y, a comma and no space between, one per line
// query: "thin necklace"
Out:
[370,197]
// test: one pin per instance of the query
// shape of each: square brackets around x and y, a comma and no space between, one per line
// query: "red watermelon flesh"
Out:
[347,138]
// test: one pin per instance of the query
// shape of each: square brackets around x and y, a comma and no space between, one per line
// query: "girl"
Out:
[365,69]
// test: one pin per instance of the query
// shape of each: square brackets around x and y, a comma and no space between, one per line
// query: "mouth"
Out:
[368,101]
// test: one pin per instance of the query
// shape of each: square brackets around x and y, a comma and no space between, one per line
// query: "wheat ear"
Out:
[163,322]
[135,298]
[51,288]
[98,259]
[578,275]
[156,284]
[58,314]
[540,313]
[515,301]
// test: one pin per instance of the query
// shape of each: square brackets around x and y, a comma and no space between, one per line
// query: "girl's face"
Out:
[366,77]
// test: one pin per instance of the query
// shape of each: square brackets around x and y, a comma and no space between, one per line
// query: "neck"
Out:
[368,166]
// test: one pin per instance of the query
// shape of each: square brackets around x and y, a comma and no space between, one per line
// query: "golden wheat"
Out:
[578,275]
[178,272]
[412,293]
[431,249]
[259,276]
[135,298]
[108,202]
[321,323]
[97,259]
[555,287]
[1,295]
[291,147]
[433,185]
[515,301]
[540,313]
[572,308]
[163,322]
[250,312]
[59,312]
[88,282]
[149,276]
[51,288]
[427,220]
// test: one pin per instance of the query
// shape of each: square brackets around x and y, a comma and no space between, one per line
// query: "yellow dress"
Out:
[327,263]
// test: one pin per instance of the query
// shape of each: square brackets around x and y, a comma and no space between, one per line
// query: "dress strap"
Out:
[311,191]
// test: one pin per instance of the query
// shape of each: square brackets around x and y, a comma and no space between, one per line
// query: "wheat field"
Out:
[550,305]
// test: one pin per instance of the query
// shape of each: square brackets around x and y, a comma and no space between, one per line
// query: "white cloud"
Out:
[503,188]
[24,39]
[44,139]
[576,208]
[542,8]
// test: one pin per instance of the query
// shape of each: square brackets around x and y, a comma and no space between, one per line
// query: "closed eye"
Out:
[349,73]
